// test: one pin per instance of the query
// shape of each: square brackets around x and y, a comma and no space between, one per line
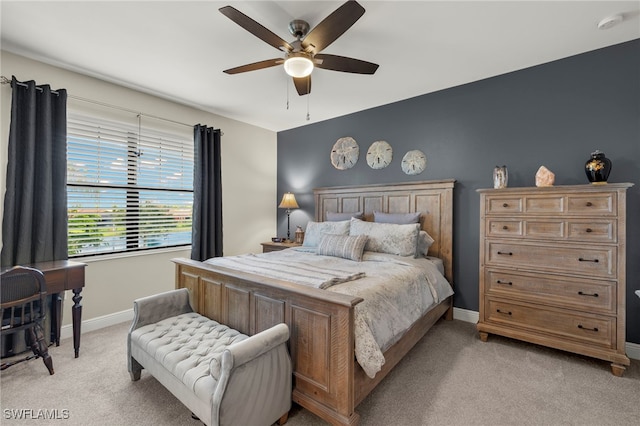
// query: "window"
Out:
[129,183]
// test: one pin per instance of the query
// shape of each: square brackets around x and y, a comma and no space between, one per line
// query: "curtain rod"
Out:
[5,80]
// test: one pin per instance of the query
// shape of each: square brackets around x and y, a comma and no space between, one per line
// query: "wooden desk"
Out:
[61,275]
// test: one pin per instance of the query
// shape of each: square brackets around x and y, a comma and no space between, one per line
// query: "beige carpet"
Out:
[449,378]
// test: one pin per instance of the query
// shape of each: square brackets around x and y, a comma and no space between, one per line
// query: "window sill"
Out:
[103,257]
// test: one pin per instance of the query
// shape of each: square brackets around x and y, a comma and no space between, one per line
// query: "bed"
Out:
[328,380]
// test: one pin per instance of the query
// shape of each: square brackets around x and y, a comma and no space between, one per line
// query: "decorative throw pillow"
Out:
[315,230]
[397,218]
[345,246]
[425,241]
[334,217]
[388,237]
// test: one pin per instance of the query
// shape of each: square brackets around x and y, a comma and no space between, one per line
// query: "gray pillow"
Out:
[345,246]
[397,218]
[334,217]
[315,230]
[388,237]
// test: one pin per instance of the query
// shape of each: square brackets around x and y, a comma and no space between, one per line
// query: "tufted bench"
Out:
[223,376]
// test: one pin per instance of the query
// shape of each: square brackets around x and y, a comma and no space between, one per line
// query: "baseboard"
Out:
[466,315]
[633,349]
[99,322]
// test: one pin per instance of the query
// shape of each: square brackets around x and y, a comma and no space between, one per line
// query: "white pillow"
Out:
[389,238]
[315,230]
[345,246]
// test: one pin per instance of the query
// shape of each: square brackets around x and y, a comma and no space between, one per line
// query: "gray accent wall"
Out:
[553,114]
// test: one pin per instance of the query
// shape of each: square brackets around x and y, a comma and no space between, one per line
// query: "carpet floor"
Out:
[449,378]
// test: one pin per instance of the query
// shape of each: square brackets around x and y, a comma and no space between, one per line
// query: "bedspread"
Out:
[302,270]
[396,291]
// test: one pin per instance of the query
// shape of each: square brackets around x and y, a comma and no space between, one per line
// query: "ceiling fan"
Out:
[303,54]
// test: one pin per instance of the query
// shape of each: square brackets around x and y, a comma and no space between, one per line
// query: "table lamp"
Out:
[288,202]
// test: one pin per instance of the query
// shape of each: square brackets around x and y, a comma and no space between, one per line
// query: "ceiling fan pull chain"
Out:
[308,97]
[287,84]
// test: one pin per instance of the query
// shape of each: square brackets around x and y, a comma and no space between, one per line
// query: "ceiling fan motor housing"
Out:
[299,28]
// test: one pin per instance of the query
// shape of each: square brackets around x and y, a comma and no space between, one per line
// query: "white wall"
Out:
[248,181]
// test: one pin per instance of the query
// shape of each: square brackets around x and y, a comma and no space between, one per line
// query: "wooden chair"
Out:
[23,305]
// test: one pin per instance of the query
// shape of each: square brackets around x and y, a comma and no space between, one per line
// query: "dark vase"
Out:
[598,168]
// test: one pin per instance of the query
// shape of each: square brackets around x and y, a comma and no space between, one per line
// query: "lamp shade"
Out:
[288,201]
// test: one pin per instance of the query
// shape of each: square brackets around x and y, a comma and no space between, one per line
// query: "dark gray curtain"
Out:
[207,194]
[34,224]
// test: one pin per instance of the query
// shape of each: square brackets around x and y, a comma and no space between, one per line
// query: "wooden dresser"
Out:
[552,268]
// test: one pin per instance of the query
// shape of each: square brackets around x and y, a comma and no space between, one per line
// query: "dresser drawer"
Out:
[592,204]
[501,205]
[545,204]
[585,204]
[537,204]
[592,329]
[501,227]
[545,229]
[602,231]
[586,294]
[596,261]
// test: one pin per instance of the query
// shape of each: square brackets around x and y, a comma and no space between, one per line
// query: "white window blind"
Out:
[129,184]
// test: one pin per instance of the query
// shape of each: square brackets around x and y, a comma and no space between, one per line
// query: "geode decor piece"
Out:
[545,177]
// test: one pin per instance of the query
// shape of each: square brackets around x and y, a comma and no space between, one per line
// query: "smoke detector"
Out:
[609,22]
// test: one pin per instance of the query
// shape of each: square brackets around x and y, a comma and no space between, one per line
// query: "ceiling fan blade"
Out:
[344,64]
[303,85]
[255,28]
[333,26]
[255,66]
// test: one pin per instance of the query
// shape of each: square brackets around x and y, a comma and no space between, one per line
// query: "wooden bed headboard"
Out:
[433,199]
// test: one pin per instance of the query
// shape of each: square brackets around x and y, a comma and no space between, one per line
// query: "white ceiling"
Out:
[178,49]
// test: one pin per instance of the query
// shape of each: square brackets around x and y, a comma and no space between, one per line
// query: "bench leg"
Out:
[194,417]
[136,369]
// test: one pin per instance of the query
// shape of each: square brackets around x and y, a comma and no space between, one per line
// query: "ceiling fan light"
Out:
[298,66]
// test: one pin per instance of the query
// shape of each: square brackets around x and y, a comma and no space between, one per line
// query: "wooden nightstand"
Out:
[271,246]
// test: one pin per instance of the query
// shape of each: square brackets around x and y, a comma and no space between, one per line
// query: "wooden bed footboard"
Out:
[321,325]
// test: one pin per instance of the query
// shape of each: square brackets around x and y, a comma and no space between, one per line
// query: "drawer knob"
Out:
[504,282]
[589,203]
[505,227]
[506,253]
[505,205]
[509,313]
[581,259]
[587,328]
[589,230]
[588,294]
